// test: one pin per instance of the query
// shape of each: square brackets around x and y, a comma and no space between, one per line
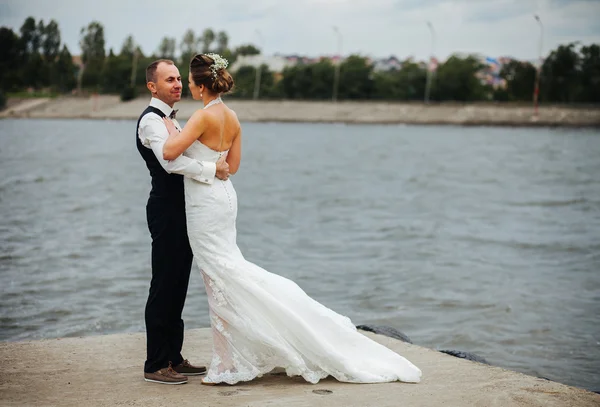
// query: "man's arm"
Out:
[153,133]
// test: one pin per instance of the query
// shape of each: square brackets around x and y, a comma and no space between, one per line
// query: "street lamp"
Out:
[336,74]
[429,70]
[536,90]
[259,68]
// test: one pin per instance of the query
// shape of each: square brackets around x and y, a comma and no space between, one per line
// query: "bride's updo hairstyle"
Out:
[210,70]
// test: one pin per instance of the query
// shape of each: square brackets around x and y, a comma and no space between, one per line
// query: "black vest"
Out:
[166,188]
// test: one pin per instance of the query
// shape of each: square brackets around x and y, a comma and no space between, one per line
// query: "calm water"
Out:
[478,239]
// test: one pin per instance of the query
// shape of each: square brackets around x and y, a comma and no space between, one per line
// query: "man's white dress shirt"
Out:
[153,135]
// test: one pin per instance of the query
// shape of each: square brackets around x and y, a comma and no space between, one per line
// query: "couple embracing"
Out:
[259,320]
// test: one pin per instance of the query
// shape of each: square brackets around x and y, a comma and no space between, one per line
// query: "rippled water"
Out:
[479,239]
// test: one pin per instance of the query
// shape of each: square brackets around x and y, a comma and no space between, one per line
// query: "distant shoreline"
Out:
[104,107]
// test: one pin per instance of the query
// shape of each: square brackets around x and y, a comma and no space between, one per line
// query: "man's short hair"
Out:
[151,70]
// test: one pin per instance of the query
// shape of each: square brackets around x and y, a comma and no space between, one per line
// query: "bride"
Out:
[259,320]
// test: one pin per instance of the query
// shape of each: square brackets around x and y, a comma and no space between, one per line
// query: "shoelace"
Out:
[170,369]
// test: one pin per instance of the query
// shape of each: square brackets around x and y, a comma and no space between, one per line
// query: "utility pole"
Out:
[536,89]
[336,74]
[429,68]
[256,93]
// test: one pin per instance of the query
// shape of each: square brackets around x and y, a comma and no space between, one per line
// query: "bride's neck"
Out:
[206,99]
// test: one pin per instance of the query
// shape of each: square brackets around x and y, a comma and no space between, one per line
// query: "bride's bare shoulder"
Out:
[232,112]
[203,114]
[199,118]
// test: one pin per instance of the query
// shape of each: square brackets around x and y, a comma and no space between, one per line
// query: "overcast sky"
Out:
[375,28]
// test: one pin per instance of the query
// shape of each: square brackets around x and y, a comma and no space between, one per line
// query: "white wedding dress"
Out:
[260,320]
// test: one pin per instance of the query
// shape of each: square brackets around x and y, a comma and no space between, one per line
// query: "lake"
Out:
[478,239]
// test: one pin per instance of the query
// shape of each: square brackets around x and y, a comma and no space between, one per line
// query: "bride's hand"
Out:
[170,125]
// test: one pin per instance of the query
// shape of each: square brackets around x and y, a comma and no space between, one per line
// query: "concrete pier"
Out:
[107,371]
[110,107]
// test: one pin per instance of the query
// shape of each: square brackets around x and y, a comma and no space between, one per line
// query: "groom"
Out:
[165,213]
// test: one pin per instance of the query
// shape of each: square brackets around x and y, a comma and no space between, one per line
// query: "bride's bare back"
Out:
[221,127]
[215,126]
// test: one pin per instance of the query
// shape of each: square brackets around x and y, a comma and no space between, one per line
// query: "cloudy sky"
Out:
[375,28]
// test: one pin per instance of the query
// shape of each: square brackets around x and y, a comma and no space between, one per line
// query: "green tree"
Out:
[34,71]
[92,53]
[142,62]
[385,85]
[40,30]
[244,82]
[11,59]
[232,55]
[64,72]
[92,42]
[116,73]
[188,47]
[208,37]
[30,36]
[166,49]
[456,79]
[246,49]
[590,73]
[561,80]
[406,83]
[228,55]
[50,45]
[412,81]
[520,80]
[245,78]
[222,42]
[296,82]
[321,74]
[128,47]
[51,41]
[307,81]
[356,81]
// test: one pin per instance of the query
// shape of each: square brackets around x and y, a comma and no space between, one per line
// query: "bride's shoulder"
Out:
[198,118]
[231,111]
[200,113]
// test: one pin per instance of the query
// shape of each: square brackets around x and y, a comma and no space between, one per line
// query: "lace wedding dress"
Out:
[260,320]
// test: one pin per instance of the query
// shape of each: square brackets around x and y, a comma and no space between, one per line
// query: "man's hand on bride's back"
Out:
[222,168]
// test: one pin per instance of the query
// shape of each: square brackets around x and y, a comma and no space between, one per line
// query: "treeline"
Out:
[34,58]
[570,74]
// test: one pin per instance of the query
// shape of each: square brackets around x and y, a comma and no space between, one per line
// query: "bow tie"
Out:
[173,114]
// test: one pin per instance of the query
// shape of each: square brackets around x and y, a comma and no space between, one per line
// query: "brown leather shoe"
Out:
[187,369]
[165,376]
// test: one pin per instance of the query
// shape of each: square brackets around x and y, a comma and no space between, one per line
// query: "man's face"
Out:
[168,83]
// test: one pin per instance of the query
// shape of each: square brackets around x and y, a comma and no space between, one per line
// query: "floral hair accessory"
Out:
[219,63]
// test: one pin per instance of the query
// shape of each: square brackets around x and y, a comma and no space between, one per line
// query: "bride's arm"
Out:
[235,153]
[153,134]
[178,142]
